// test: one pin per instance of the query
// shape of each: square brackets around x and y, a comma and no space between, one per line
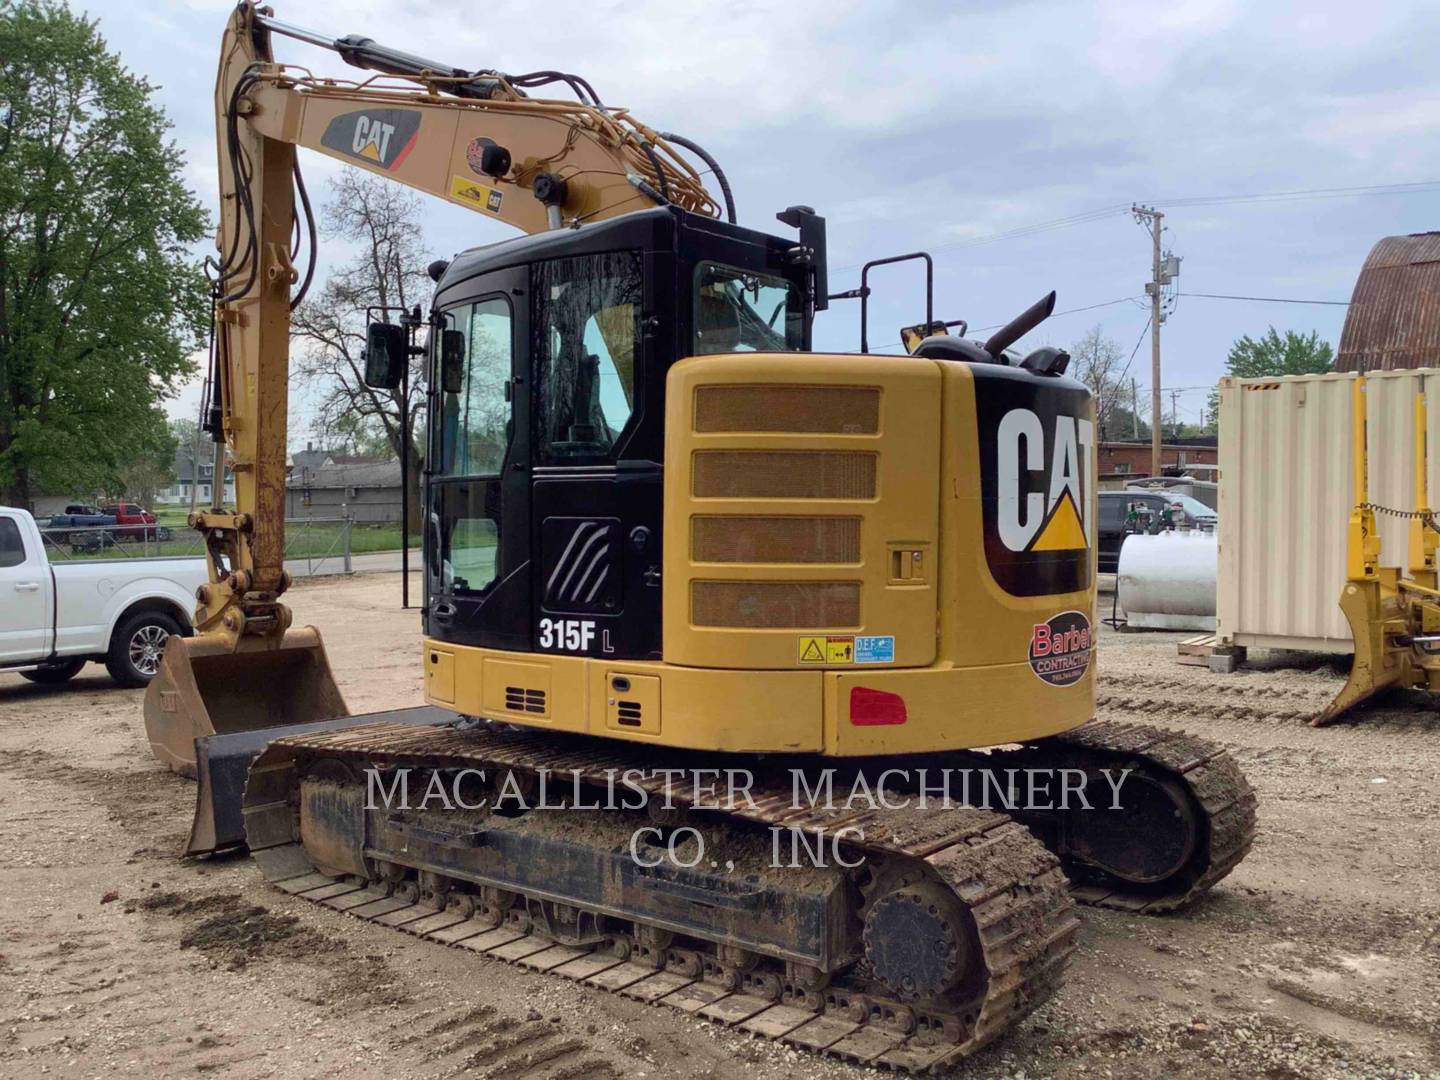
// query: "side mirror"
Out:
[387,350]
[452,361]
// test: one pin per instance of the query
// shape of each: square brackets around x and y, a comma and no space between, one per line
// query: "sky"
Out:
[954,128]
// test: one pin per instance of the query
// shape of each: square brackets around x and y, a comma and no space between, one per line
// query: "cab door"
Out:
[477,532]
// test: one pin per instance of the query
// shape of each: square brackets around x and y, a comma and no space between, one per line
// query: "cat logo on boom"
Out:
[378,137]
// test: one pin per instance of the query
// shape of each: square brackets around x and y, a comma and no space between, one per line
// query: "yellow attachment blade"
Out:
[1377,664]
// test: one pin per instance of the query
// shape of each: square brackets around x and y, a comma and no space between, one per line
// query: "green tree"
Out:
[141,478]
[101,301]
[1292,354]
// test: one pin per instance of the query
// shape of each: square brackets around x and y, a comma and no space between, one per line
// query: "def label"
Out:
[1060,648]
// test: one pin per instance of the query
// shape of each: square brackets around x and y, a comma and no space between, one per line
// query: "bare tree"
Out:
[1098,362]
[383,221]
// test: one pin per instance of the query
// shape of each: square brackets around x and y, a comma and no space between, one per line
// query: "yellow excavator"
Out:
[664,540]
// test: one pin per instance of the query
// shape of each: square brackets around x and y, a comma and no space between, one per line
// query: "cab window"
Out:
[743,311]
[12,547]
[472,442]
[586,328]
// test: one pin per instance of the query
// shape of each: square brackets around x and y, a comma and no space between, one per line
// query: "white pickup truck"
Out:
[56,616]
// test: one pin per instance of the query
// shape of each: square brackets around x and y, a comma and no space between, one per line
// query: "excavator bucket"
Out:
[1377,665]
[204,687]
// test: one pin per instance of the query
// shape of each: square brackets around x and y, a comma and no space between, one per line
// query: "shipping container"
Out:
[1287,489]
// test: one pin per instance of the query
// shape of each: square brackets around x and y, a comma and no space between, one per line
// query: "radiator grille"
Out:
[776,604]
[784,474]
[816,410]
[523,699]
[775,539]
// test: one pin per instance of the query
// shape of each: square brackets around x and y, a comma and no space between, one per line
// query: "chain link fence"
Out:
[322,545]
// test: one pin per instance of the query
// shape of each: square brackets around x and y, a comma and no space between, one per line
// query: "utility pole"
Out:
[1175,411]
[1134,409]
[1154,218]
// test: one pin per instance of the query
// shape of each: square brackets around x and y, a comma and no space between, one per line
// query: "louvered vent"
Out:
[784,474]
[777,539]
[776,604]
[523,699]
[629,713]
[816,410]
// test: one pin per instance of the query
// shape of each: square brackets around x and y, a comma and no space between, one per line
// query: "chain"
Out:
[1427,516]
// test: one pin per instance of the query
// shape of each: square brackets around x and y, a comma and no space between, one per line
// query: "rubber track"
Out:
[1213,778]
[1015,889]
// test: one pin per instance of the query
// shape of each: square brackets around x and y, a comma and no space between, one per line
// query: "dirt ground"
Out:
[1319,956]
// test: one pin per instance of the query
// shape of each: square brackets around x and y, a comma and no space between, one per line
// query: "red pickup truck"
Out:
[134,522]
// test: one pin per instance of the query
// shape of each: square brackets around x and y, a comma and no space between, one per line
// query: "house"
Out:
[365,490]
[182,492]
[305,465]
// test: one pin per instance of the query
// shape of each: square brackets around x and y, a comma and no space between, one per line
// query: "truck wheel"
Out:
[137,645]
[54,674]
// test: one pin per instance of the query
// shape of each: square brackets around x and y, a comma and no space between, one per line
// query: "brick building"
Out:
[1120,460]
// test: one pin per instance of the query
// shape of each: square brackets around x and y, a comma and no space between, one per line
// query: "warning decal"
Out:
[468,191]
[827,649]
[812,650]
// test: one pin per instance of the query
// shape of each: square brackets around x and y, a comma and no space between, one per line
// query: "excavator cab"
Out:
[544,488]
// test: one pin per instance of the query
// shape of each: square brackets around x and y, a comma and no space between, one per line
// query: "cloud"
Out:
[927,123]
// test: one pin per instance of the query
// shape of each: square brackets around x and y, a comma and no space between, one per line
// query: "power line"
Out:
[1360,191]
[1018,232]
[1138,342]
[996,326]
[1304,194]
[1067,311]
[1266,299]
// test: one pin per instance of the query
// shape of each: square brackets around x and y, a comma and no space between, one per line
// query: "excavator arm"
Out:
[472,138]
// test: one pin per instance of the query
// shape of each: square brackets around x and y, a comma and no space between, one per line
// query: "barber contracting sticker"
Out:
[1060,648]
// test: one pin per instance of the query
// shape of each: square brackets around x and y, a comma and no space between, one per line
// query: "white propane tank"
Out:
[1167,581]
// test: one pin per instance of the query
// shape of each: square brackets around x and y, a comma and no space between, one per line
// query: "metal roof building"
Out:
[1394,317]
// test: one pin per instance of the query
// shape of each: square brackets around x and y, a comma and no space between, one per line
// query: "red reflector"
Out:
[869,708]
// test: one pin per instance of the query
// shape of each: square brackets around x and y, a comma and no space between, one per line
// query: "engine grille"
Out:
[784,474]
[775,539]
[775,604]
[816,410]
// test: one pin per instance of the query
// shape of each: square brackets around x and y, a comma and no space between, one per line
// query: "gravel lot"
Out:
[1318,957]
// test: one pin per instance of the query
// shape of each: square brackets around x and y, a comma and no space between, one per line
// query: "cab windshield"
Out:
[743,311]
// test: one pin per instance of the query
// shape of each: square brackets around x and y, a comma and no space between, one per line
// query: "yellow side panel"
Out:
[439,675]
[632,703]
[704,709]
[945,708]
[521,691]
[801,505]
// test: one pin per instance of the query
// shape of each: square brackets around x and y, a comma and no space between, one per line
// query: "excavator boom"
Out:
[472,138]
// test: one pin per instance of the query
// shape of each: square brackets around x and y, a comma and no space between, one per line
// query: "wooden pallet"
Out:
[1196,650]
